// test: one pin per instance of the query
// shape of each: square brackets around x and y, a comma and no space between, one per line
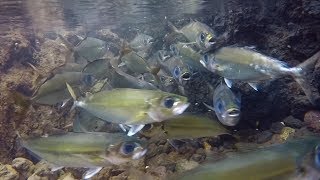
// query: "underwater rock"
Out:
[290,121]
[24,166]
[184,165]
[8,173]
[43,171]
[264,137]
[312,119]
[276,127]
[67,176]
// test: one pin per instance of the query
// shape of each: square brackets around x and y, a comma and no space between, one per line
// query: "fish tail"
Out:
[73,95]
[173,27]
[311,92]
[300,72]
[66,43]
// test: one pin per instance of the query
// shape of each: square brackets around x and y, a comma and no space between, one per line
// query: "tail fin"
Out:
[73,95]
[310,91]
[299,74]
[66,43]
[173,27]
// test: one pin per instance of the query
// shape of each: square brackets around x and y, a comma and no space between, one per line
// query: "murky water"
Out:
[51,15]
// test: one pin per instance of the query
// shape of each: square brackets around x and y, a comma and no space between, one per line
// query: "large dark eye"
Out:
[88,80]
[206,58]
[128,148]
[220,107]
[174,50]
[176,71]
[202,37]
[168,102]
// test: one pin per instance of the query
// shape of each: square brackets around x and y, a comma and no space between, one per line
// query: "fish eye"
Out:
[206,58]
[88,79]
[168,102]
[176,71]
[128,148]
[202,37]
[147,127]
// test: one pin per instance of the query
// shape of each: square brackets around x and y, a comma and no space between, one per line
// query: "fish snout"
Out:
[231,117]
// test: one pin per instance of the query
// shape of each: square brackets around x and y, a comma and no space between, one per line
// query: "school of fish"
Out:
[142,93]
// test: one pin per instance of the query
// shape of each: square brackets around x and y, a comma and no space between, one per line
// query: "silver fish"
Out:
[177,68]
[141,42]
[87,150]
[245,64]
[132,107]
[226,105]
[188,54]
[267,163]
[198,33]
[54,90]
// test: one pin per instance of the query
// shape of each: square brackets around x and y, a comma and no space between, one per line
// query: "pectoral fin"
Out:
[91,172]
[228,82]
[254,86]
[134,129]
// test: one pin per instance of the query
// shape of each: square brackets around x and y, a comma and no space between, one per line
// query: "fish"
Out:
[120,79]
[168,83]
[92,150]
[179,70]
[264,163]
[87,50]
[188,54]
[53,90]
[226,105]
[135,63]
[197,33]
[86,122]
[99,68]
[186,126]
[132,107]
[141,42]
[247,65]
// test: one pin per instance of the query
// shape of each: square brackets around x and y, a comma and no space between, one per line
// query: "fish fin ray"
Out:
[228,82]
[91,172]
[134,129]
[123,128]
[173,27]
[208,106]
[254,86]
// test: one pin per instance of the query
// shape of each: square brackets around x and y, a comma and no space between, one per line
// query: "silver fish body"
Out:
[177,68]
[226,105]
[200,34]
[266,163]
[188,54]
[54,90]
[141,42]
[245,64]
[91,149]
[133,106]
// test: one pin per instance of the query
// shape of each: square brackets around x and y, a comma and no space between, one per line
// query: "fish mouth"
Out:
[211,41]
[180,109]
[233,112]
[138,155]
[186,76]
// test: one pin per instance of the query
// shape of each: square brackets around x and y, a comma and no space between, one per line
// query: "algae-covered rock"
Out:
[184,165]
[7,172]
[24,166]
